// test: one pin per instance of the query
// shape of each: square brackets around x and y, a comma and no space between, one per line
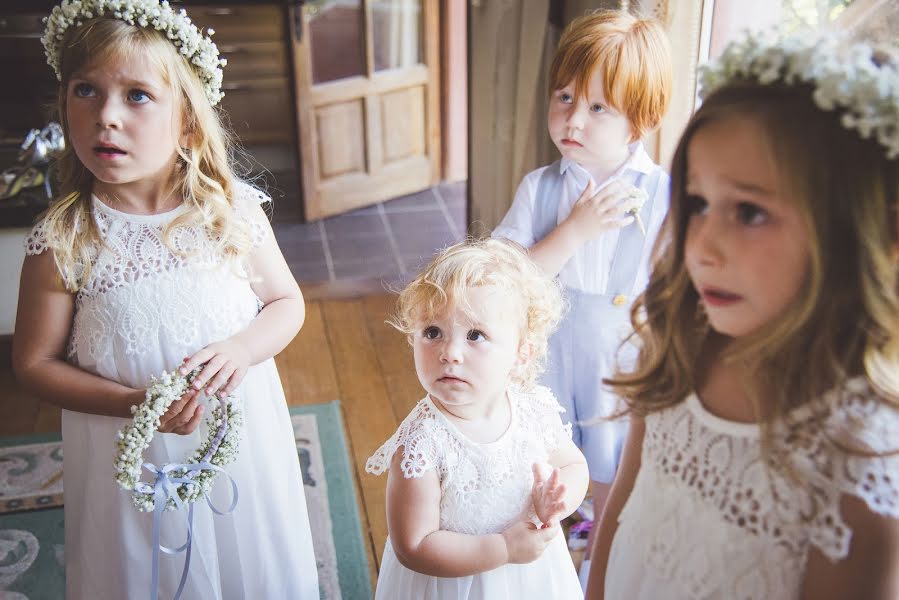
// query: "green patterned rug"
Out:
[31,515]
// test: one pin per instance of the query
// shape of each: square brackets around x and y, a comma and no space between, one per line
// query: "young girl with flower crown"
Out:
[763,456]
[482,469]
[156,256]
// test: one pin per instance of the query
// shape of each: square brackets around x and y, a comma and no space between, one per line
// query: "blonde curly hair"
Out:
[486,262]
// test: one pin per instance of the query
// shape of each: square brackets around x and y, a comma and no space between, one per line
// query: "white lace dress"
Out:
[142,311]
[485,488]
[706,519]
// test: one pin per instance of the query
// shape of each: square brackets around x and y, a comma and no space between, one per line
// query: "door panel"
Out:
[369,120]
[340,121]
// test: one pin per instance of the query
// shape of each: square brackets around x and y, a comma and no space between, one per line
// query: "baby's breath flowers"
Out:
[852,78]
[219,448]
[198,49]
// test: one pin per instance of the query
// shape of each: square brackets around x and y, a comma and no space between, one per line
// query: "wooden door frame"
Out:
[428,75]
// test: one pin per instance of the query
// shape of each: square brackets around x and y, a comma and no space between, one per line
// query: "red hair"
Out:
[633,56]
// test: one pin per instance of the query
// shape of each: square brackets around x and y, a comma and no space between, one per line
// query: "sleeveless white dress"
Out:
[485,489]
[708,520]
[143,310]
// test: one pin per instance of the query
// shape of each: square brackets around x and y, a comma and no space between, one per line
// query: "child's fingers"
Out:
[196,360]
[548,531]
[191,425]
[176,416]
[538,475]
[176,407]
[588,192]
[553,478]
[220,378]
[213,366]
[611,191]
[234,380]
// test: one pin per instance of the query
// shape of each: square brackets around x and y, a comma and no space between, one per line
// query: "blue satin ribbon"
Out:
[165,488]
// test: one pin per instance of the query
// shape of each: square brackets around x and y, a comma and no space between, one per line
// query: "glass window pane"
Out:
[814,14]
[335,39]
[396,33]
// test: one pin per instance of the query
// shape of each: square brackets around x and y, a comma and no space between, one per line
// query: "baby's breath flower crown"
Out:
[852,78]
[198,49]
[218,449]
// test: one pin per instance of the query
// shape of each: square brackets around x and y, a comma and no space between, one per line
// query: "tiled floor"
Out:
[388,242]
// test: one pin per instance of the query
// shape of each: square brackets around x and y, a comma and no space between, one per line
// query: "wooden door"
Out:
[367,100]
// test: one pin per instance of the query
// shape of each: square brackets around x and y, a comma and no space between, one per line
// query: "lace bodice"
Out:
[145,305]
[485,487]
[708,519]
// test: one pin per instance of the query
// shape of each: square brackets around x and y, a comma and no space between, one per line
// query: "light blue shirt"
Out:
[588,269]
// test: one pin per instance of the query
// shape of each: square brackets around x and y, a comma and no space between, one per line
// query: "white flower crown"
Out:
[844,77]
[198,49]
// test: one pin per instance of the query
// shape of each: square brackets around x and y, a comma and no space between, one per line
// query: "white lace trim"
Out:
[721,463]
[708,518]
[484,486]
[135,246]
[140,292]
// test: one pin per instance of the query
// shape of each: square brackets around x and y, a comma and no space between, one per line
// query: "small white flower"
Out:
[845,78]
[200,50]
[133,439]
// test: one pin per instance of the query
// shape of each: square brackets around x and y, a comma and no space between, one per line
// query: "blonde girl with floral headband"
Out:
[763,456]
[154,257]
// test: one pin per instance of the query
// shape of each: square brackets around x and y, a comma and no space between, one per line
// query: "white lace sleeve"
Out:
[541,412]
[856,454]
[421,448]
[247,197]
[36,242]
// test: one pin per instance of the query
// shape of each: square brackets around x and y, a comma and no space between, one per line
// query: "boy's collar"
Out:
[638,161]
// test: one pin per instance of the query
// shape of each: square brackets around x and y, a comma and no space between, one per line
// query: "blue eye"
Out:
[565,97]
[751,214]
[476,336]
[431,333]
[597,108]
[138,96]
[82,90]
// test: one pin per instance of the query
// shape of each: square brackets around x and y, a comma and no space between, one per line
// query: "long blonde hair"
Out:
[845,322]
[203,176]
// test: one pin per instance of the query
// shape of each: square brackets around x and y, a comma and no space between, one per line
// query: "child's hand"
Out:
[606,210]
[525,543]
[548,496]
[226,364]
[183,416]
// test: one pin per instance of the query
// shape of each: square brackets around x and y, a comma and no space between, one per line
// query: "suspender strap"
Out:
[546,201]
[629,249]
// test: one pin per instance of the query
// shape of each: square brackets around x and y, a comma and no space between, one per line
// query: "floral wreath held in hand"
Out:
[199,50]
[193,479]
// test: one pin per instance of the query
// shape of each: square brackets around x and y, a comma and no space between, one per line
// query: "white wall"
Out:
[12,253]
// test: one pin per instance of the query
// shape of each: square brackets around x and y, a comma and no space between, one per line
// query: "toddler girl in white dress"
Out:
[482,469]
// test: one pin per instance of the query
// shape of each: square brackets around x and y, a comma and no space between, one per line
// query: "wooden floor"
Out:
[346,352]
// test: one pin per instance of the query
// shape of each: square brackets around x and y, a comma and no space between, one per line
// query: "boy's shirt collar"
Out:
[638,161]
